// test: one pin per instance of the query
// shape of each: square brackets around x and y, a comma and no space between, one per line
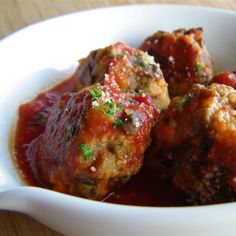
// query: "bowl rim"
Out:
[108,8]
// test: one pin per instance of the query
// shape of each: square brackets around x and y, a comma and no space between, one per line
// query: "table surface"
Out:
[16,14]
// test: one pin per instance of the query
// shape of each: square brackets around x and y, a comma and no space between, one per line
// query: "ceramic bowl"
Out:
[38,57]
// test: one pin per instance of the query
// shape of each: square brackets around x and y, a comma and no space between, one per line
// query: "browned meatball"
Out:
[94,139]
[131,68]
[196,140]
[183,58]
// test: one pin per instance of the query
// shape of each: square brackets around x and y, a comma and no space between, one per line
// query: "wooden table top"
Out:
[16,14]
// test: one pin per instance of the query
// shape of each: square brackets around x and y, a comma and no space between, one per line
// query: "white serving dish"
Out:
[39,56]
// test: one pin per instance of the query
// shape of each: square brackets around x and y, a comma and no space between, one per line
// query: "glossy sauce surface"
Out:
[144,189]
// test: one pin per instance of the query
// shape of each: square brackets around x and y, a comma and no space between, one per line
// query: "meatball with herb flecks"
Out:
[195,140]
[131,69]
[94,140]
[183,58]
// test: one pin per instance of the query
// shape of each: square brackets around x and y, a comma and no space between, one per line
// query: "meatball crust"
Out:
[131,68]
[183,58]
[196,139]
[90,141]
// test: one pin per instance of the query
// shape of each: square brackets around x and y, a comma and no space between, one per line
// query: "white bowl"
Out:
[41,55]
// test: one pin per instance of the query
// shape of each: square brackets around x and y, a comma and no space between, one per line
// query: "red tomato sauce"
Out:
[144,189]
[227,78]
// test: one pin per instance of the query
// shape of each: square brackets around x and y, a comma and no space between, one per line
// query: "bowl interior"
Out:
[39,56]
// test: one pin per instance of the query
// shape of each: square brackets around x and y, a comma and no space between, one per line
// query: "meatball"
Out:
[227,78]
[131,68]
[195,141]
[90,141]
[183,58]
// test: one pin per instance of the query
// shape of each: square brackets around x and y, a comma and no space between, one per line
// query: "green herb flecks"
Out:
[39,120]
[118,123]
[184,100]
[119,107]
[110,107]
[96,93]
[199,67]
[141,63]
[110,104]
[87,152]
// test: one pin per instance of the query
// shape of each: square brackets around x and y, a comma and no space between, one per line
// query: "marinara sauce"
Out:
[144,189]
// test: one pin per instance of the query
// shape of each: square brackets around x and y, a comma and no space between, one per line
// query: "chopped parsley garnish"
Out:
[140,62]
[184,100]
[87,152]
[199,67]
[110,104]
[206,78]
[96,93]
[38,120]
[118,123]
[110,107]
[119,107]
